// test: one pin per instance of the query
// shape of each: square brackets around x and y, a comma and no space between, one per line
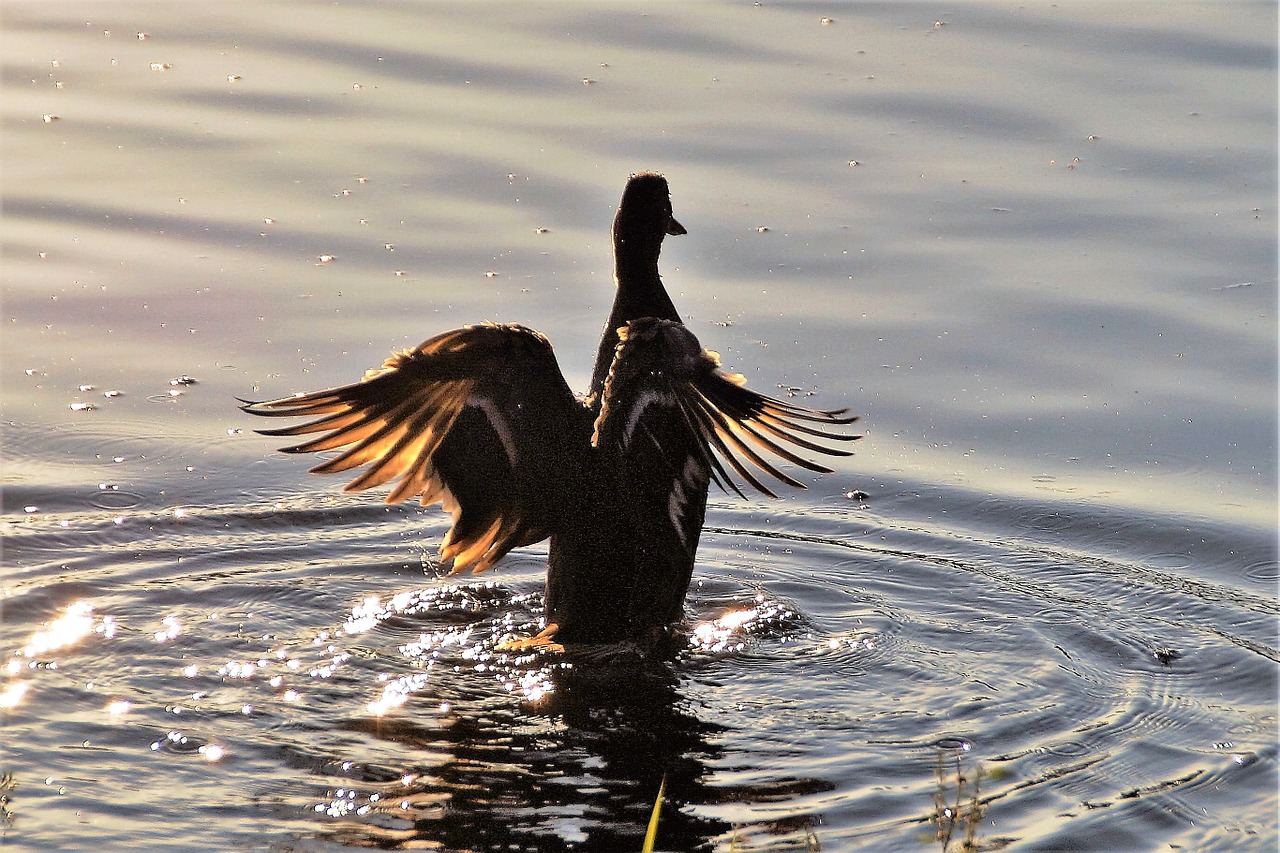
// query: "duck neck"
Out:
[635,267]
[640,294]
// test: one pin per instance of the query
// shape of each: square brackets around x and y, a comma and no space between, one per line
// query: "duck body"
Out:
[481,420]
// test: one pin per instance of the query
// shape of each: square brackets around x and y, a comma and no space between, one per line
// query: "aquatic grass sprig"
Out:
[965,810]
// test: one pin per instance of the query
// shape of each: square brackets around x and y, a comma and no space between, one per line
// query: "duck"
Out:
[480,420]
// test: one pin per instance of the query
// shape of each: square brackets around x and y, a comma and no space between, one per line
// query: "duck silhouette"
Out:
[481,420]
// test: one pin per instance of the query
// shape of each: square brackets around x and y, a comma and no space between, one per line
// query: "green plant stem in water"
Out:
[652,834]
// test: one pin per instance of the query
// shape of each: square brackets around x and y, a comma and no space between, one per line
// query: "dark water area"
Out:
[1033,246]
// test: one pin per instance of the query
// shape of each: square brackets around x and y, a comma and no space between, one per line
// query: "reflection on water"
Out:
[346,695]
[1048,286]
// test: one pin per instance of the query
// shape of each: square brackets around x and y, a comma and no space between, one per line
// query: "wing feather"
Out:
[478,419]
[735,426]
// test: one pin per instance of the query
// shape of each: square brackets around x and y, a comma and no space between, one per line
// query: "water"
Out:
[1034,246]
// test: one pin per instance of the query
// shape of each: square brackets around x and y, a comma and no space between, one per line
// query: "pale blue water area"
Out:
[1033,245]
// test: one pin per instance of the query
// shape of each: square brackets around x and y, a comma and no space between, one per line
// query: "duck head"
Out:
[644,215]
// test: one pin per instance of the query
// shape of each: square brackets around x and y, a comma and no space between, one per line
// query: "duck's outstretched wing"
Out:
[660,371]
[478,418]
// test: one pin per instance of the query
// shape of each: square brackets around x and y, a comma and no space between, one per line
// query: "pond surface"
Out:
[1034,246]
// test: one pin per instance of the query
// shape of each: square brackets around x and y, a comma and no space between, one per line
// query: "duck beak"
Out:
[675,229]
